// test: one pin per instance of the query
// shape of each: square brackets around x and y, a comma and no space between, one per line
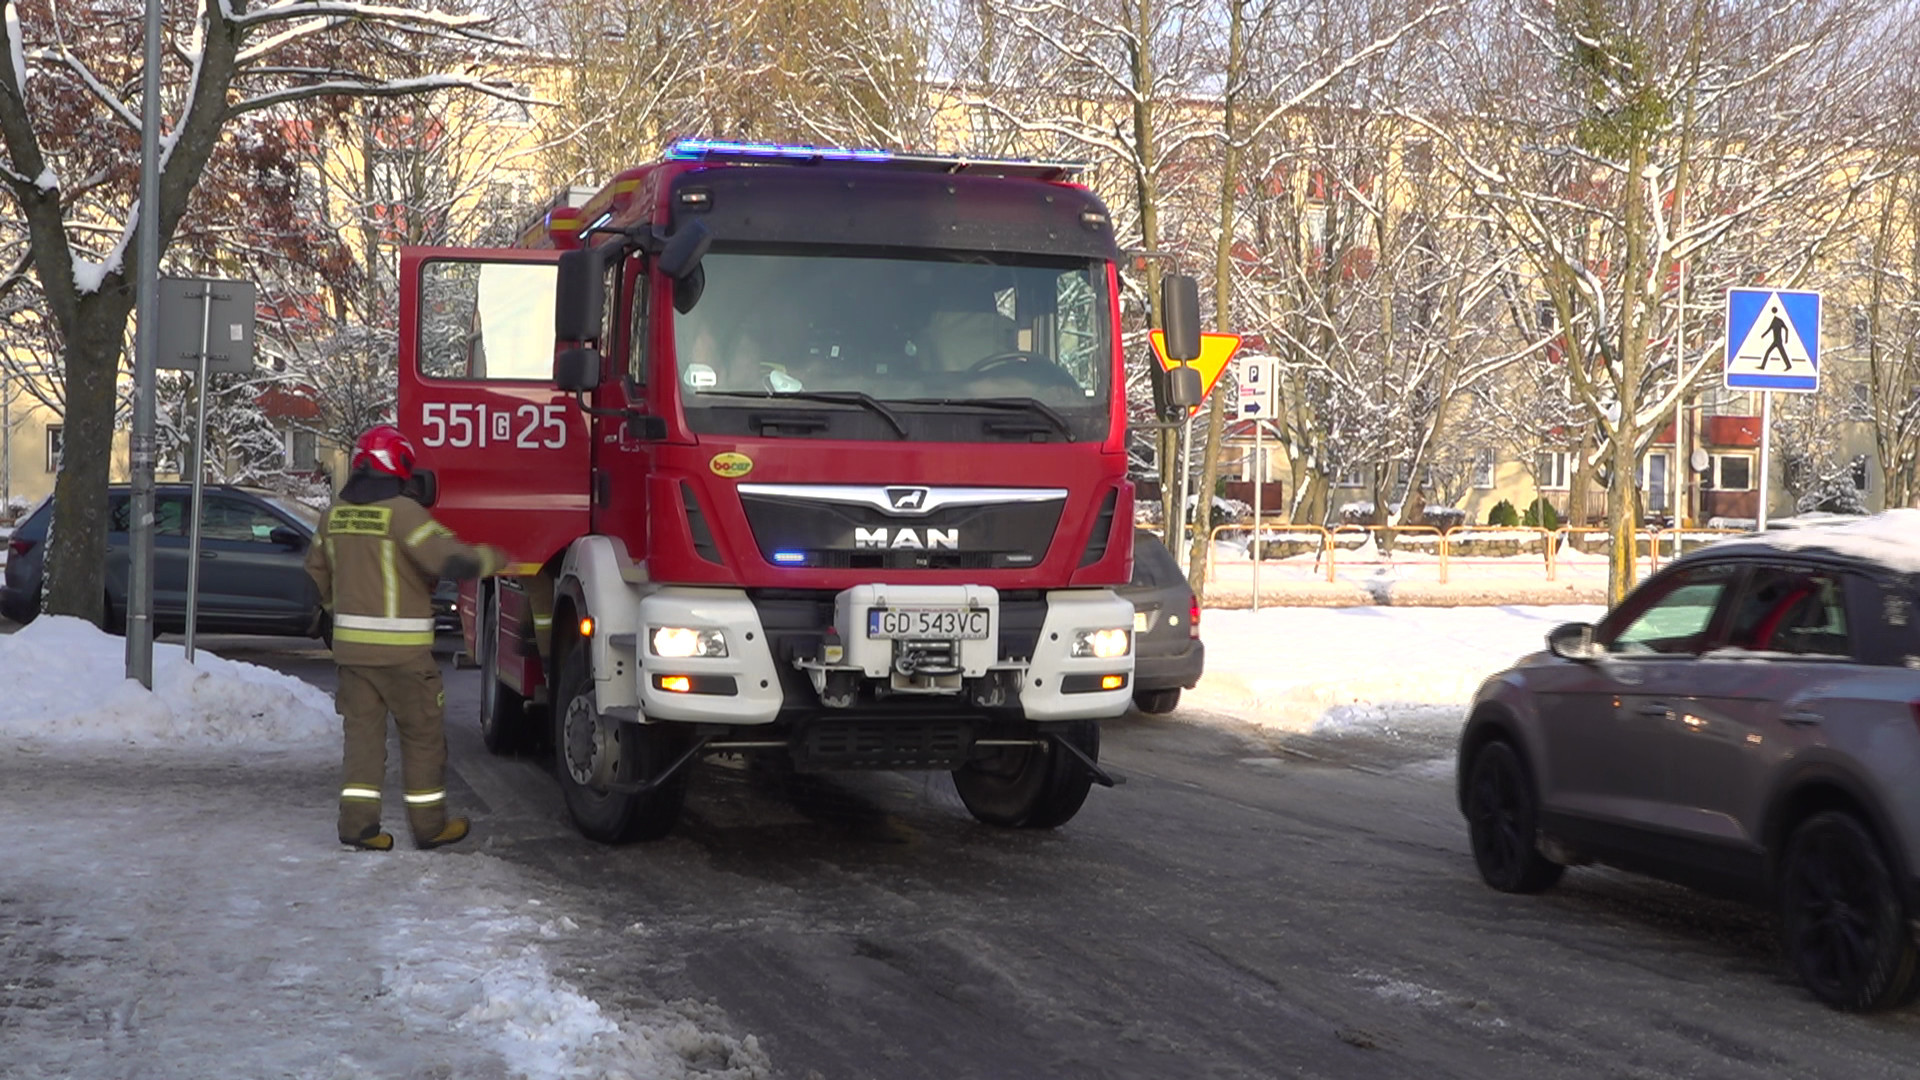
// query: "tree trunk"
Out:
[76,566]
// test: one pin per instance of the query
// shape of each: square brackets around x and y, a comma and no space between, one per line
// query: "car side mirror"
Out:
[579,298]
[1183,387]
[1573,641]
[287,537]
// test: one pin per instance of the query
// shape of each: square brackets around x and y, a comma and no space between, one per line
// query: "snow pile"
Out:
[201,892]
[1364,670]
[65,683]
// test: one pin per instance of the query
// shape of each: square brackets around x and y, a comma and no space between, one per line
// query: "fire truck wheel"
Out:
[1030,787]
[503,712]
[592,752]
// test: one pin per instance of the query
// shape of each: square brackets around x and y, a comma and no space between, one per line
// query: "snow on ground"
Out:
[172,903]
[1364,669]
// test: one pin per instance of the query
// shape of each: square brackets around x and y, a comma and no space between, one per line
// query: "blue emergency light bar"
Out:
[790,558]
[723,152]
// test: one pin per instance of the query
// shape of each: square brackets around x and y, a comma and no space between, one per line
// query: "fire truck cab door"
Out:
[510,454]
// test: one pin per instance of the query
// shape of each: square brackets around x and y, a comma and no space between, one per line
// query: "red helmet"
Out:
[384,449]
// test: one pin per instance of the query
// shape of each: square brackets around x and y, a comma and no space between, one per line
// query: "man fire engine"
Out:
[803,452]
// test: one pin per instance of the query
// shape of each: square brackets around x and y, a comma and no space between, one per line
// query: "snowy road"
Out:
[1253,902]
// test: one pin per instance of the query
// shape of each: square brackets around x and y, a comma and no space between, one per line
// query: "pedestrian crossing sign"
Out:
[1773,340]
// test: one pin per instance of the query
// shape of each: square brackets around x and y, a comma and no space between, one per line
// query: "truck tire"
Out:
[1030,787]
[582,739]
[503,712]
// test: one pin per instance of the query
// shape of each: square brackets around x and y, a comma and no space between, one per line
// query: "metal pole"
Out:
[146,345]
[1186,450]
[1766,440]
[199,465]
[1259,481]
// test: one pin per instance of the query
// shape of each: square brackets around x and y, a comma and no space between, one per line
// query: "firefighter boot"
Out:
[452,833]
[371,840]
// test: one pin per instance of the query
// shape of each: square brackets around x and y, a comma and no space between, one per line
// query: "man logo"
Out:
[907,498]
[895,539]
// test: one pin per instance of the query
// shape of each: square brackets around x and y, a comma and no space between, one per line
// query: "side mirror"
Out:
[1573,641]
[424,487]
[287,537]
[1183,387]
[577,370]
[1180,317]
[684,250]
[579,295]
[687,290]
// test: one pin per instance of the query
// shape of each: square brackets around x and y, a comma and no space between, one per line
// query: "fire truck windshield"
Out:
[919,334]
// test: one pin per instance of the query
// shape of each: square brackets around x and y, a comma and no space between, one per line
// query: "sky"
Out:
[193,917]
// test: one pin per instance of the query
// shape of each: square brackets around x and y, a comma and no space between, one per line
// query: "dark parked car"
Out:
[1168,655]
[1744,722]
[253,544]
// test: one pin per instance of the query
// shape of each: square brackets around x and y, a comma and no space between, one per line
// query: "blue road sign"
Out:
[1773,340]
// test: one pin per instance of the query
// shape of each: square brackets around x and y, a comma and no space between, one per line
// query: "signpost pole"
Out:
[145,352]
[1259,481]
[1766,442]
[199,464]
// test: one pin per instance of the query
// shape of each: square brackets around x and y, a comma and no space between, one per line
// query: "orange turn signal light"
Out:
[586,627]
[1112,682]
[679,684]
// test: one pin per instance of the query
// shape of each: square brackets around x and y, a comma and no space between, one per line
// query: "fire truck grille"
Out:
[883,744]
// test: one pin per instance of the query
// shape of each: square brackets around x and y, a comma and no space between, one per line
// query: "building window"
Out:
[56,446]
[1729,472]
[303,451]
[1554,470]
[1351,478]
[1483,467]
[1722,401]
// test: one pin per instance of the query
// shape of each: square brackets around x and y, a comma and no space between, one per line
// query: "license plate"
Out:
[962,624]
[1141,622]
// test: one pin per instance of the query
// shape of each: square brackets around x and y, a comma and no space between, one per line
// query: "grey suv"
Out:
[1746,722]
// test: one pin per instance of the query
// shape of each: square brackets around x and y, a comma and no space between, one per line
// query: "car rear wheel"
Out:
[503,712]
[1030,787]
[1503,815]
[1843,924]
[593,754]
[1157,702]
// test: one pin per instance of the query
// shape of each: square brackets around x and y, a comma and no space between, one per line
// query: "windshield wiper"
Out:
[1007,404]
[846,397]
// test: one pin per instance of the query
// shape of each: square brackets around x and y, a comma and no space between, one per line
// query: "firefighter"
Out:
[376,559]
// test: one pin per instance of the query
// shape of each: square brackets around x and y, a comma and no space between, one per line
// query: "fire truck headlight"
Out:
[1104,644]
[680,642]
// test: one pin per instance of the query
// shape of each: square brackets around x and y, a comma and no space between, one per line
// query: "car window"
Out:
[295,509]
[1675,620]
[228,518]
[1785,609]
[170,515]
[119,514]
[1153,565]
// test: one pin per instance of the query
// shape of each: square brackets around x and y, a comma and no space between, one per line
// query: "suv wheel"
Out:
[1842,921]
[1503,815]
[1157,702]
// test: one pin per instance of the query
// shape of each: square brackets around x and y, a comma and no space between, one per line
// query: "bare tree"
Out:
[71,129]
[1619,145]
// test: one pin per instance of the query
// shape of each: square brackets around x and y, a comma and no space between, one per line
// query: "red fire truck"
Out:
[800,452]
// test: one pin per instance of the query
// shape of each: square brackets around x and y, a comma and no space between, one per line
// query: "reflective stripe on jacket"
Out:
[376,565]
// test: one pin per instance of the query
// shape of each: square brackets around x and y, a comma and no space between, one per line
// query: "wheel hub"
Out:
[591,746]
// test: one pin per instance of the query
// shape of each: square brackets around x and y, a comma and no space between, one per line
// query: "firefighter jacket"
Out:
[377,557]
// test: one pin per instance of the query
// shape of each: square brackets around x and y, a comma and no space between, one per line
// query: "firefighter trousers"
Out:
[411,691]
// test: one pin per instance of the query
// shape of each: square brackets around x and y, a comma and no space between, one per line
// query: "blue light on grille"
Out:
[789,558]
[693,149]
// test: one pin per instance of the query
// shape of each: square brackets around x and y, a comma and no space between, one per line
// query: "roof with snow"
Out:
[1890,539]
